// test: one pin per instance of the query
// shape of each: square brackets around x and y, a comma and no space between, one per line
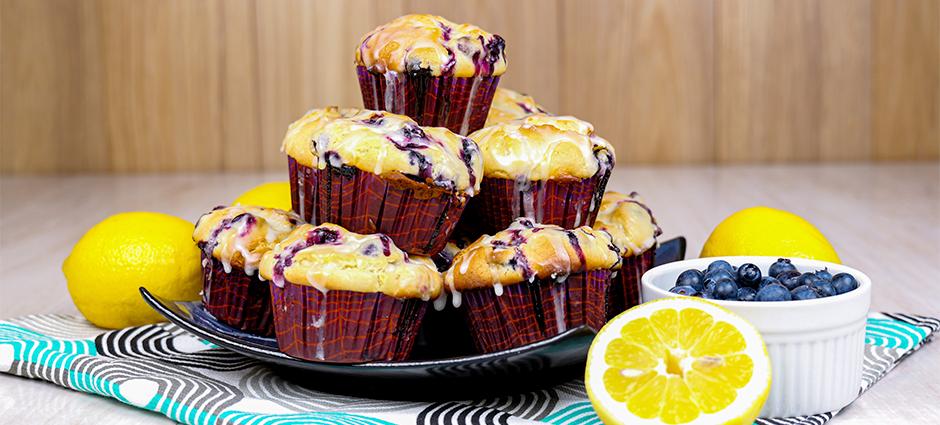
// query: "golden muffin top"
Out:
[629,221]
[527,250]
[542,147]
[240,235]
[510,105]
[298,142]
[329,257]
[415,43]
[383,143]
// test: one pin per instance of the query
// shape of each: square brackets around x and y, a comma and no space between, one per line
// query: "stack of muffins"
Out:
[443,188]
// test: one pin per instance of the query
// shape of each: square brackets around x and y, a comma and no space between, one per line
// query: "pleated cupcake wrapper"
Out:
[235,298]
[458,103]
[566,203]
[528,312]
[344,326]
[363,202]
[626,284]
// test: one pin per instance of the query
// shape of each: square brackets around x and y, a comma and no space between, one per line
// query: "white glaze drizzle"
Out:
[465,124]
[441,301]
[558,297]
[301,193]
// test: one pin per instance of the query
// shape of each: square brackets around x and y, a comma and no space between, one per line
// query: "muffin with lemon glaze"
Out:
[550,169]
[438,72]
[232,241]
[532,281]
[344,297]
[378,172]
[634,231]
[511,105]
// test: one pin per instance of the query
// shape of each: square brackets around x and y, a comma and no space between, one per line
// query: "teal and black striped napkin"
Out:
[164,369]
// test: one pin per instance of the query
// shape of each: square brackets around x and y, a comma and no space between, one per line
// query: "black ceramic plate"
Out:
[455,369]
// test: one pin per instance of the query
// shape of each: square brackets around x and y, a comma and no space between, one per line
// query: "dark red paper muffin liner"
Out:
[419,220]
[533,311]
[344,326]
[458,103]
[566,203]
[235,298]
[626,283]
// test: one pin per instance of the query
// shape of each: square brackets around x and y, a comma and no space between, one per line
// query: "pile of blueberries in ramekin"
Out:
[782,282]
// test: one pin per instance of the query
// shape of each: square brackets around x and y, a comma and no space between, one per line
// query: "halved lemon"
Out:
[678,361]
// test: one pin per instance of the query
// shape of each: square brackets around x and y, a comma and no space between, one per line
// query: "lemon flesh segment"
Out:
[678,361]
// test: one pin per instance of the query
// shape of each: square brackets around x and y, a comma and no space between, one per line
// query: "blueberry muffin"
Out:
[550,169]
[509,105]
[232,241]
[440,73]
[634,230]
[532,281]
[378,172]
[345,297]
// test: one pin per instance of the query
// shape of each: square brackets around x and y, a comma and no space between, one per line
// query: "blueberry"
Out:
[748,275]
[746,294]
[803,293]
[684,290]
[782,265]
[726,289]
[767,280]
[824,274]
[808,279]
[824,288]
[720,265]
[791,283]
[844,282]
[782,276]
[774,292]
[693,278]
[713,276]
[709,289]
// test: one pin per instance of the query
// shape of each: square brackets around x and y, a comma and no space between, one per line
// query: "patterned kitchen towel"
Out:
[164,369]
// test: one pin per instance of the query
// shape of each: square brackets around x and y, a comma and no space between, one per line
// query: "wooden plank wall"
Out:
[184,85]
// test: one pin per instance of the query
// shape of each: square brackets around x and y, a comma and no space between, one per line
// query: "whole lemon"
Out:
[768,231]
[124,252]
[271,195]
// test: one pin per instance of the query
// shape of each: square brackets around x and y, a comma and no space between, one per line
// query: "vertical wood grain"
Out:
[178,85]
[845,80]
[768,94]
[240,127]
[48,90]
[161,84]
[793,80]
[642,72]
[906,103]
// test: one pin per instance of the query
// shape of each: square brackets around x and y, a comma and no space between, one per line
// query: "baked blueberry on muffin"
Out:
[232,241]
[344,297]
[440,73]
[511,105]
[634,230]
[533,281]
[550,169]
[378,172]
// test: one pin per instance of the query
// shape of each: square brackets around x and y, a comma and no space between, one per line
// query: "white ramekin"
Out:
[816,346]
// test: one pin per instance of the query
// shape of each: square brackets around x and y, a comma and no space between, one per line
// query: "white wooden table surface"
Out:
[882,219]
